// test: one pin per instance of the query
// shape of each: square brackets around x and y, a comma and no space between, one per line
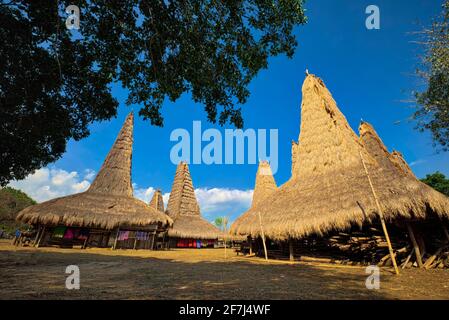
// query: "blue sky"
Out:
[369,72]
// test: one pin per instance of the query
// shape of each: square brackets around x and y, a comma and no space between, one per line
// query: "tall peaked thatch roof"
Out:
[183,208]
[295,160]
[265,185]
[331,190]
[108,203]
[398,159]
[114,177]
[157,201]
[396,165]
[372,142]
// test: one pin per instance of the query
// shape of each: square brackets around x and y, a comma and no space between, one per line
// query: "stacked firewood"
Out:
[366,247]
[373,248]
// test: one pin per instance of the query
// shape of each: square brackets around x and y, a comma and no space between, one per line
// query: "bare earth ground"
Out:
[29,273]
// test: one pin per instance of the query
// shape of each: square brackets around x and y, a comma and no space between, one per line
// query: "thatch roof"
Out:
[331,190]
[398,159]
[183,208]
[265,185]
[109,201]
[157,202]
[395,163]
[295,160]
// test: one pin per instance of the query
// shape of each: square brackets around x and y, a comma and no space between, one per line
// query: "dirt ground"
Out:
[30,273]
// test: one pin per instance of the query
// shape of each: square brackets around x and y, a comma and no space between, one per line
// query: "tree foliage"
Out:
[222,223]
[438,181]
[54,82]
[11,202]
[433,102]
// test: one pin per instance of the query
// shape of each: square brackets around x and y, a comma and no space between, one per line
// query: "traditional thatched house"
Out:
[264,186]
[106,214]
[329,191]
[189,228]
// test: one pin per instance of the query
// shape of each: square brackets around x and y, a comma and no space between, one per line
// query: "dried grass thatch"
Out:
[295,160]
[398,159]
[157,202]
[330,190]
[183,208]
[265,185]
[108,203]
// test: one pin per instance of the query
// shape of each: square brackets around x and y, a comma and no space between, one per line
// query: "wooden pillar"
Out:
[381,216]
[116,238]
[163,240]
[263,237]
[152,240]
[415,244]
[290,249]
[38,233]
[135,242]
[87,239]
[225,252]
[41,236]
[250,245]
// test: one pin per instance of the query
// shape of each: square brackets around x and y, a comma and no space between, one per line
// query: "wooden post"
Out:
[290,249]
[415,244]
[152,240]
[135,241]
[404,265]
[116,237]
[381,215]
[250,245]
[38,233]
[41,236]
[87,239]
[225,227]
[263,236]
[163,240]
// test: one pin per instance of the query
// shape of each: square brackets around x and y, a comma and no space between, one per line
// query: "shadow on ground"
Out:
[36,274]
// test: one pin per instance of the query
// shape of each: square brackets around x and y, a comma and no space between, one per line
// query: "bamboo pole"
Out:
[87,239]
[250,245]
[404,265]
[263,236]
[152,240]
[39,229]
[290,249]
[381,215]
[135,242]
[41,236]
[116,237]
[225,228]
[415,244]
[163,241]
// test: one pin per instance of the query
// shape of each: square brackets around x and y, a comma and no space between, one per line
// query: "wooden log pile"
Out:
[369,246]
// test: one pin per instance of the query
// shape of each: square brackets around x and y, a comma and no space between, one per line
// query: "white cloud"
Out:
[417,162]
[144,194]
[48,183]
[89,174]
[217,202]
[213,202]
[216,198]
